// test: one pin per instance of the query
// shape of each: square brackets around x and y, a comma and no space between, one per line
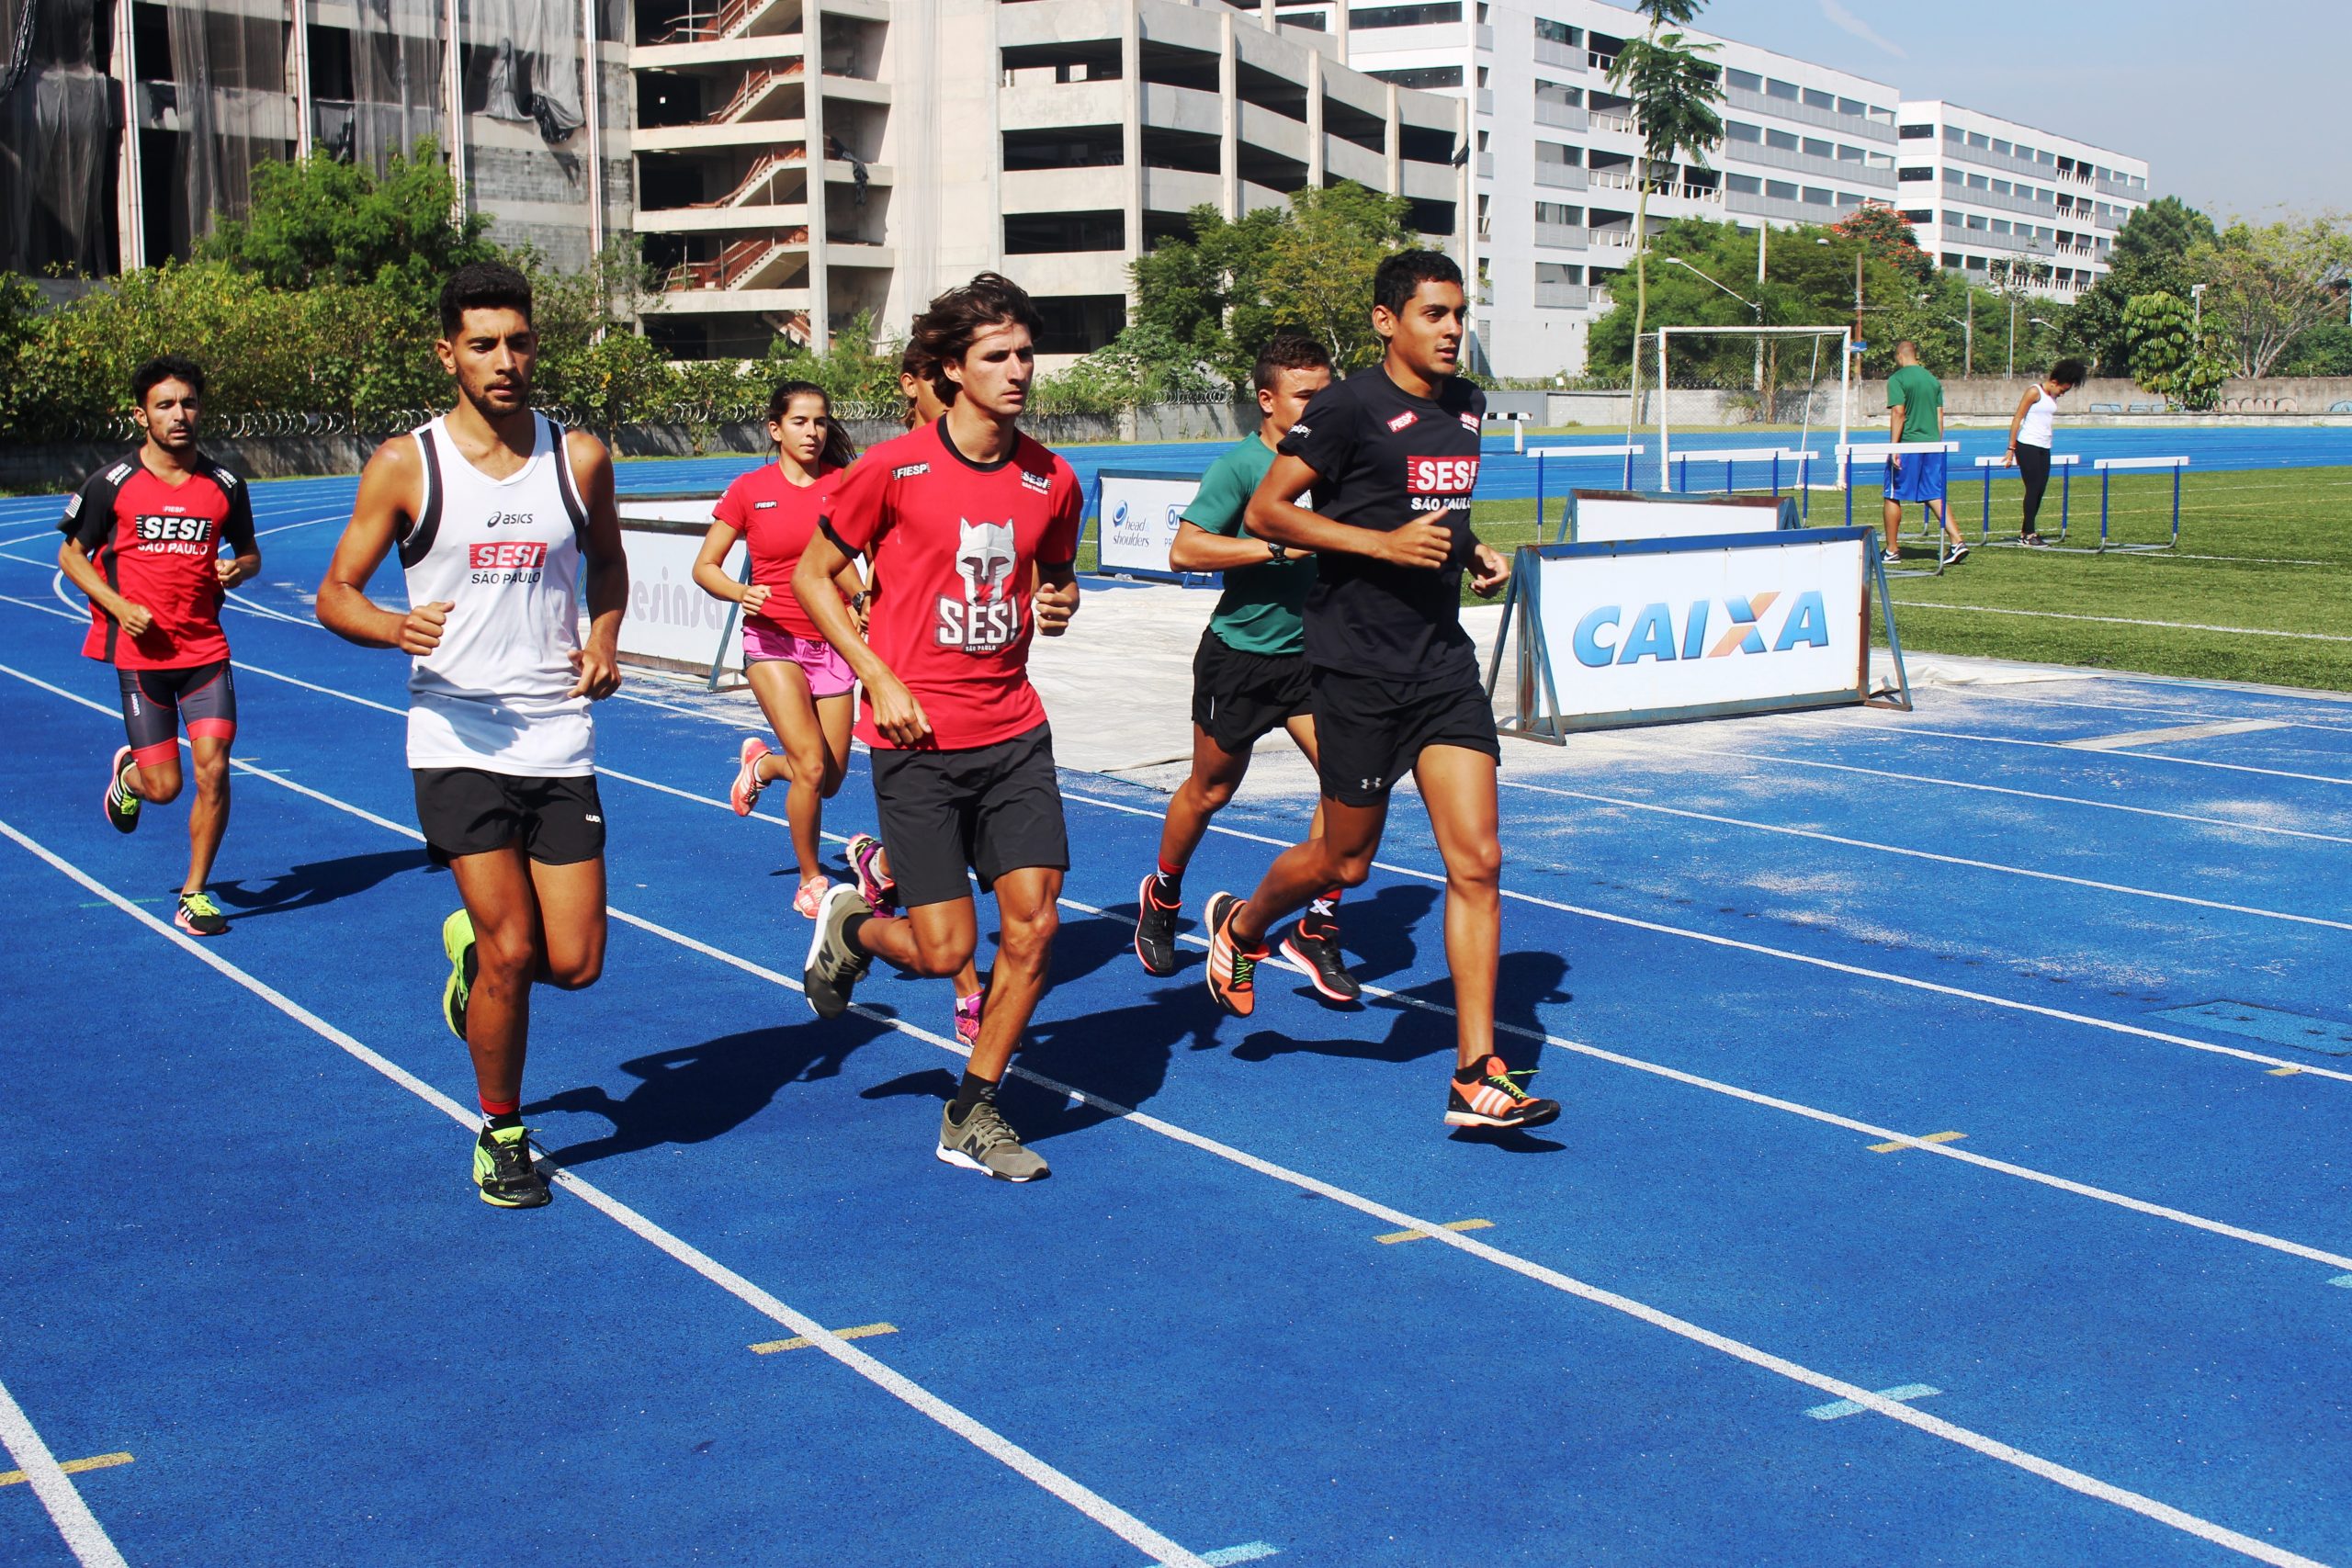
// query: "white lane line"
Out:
[1135,1531]
[2125,620]
[83,1535]
[252,607]
[305,522]
[1794,1108]
[1926,854]
[2003,694]
[1762,950]
[2207,731]
[2034,795]
[1005,1450]
[1854,728]
[2139,1032]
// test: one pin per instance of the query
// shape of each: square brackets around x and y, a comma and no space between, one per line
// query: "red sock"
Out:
[498,1107]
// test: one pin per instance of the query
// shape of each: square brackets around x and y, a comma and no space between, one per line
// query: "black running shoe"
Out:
[1955,554]
[1495,1100]
[833,967]
[1155,929]
[503,1171]
[1326,966]
[122,807]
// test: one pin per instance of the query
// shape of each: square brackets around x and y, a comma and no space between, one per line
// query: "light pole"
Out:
[1678,261]
[2197,302]
[1968,329]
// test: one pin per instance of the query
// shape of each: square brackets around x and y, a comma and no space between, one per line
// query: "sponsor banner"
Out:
[1732,624]
[1601,516]
[1136,517]
[669,617]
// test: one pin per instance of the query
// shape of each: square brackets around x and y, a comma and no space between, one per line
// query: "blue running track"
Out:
[1952,1169]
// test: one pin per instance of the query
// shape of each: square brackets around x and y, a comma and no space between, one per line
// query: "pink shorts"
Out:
[829,673]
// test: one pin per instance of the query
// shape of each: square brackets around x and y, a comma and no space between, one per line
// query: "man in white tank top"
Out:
[500,517]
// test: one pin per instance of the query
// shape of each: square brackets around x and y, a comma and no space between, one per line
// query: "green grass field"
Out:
[2264,552]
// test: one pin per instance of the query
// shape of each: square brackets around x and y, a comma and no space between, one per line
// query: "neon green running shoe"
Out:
[122,806]
[198,915]
[503,1171]
[458,942]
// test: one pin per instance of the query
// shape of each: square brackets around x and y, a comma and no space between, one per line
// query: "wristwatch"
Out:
[1277,553]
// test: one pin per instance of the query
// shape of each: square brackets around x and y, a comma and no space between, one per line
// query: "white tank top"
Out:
[2041,420]
[505,555]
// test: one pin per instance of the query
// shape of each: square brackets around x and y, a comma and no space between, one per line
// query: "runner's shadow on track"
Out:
[319,882]
[700,1092]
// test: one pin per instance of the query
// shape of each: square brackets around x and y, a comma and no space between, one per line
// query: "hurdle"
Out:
[1880,451]
[1629,451]
[2064,462]
[1797,456]
[1518,422]
[2107,465]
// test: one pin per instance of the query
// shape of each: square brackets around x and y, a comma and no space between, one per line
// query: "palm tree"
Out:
[1674,92]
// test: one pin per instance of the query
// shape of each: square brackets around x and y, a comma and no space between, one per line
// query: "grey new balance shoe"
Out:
[835,967]
[987,1142]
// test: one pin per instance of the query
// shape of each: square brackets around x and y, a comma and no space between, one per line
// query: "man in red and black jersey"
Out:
[1391,455]
[974,531]
[143,540]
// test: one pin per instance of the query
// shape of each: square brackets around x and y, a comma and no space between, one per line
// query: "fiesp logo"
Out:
[518,555]
[1440,476]
[1653,634]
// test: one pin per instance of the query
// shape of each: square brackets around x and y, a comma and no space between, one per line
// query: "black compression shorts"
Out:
[155,703]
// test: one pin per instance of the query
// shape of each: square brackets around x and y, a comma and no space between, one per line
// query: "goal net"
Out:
[1733,409]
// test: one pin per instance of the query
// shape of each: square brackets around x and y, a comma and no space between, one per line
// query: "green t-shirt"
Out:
[1921,397]
[1259,610]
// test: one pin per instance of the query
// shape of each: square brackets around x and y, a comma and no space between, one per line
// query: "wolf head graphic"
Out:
[984,559]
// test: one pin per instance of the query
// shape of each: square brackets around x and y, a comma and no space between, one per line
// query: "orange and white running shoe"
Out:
[1494,1100]
[811,896]
[1233,969]
[744,794]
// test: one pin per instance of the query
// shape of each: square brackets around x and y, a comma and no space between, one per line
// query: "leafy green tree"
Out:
[1674,92]
[1884,234]
[318,220]
[2269,285]
[1209,293]
[2150,256]
[2166,357]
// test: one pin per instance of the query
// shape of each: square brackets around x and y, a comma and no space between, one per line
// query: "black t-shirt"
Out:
[1383,457]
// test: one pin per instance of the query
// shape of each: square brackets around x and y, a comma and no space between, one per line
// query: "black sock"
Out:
[850,928]
[500,1123]
[1471,1073]
[1168,887]
[970,1092]
[1321,919]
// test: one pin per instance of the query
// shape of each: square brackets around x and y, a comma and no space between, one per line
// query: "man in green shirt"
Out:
[1250,676]
[1915,399]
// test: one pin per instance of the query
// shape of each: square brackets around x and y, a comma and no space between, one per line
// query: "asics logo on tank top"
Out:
[988,617]
[511,519]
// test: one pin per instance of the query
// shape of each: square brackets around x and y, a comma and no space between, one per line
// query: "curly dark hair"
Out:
[945,331]
[1287,350]
[162,368]
[482,285]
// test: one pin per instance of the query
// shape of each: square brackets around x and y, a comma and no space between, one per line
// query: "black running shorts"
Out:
[994,809]
[155,703]
[1238,696]
[470,811]
[1370,731]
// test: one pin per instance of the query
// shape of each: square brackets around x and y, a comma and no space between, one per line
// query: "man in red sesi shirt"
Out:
[143,540]
[962,517]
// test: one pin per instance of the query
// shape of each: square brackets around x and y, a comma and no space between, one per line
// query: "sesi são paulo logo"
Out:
[1653,634]
[506,560]
[988,617]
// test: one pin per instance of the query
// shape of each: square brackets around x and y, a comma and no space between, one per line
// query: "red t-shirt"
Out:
[776,519]
[155,545]
[956,543]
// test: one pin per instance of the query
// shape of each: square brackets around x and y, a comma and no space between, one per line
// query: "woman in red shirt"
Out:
[804,687]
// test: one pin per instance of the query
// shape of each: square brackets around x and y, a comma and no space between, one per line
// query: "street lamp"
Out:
[2196,300]
[1678,261]
[1968,327]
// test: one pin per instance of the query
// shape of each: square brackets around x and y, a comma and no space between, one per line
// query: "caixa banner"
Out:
[1646,631]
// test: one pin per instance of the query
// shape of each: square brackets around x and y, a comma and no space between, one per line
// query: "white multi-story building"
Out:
[1558,152]
[1052,140]
[1998,200]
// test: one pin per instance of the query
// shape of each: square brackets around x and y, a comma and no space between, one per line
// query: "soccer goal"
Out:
[1744,409]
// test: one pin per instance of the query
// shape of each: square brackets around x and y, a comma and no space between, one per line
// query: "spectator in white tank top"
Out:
[2031,431]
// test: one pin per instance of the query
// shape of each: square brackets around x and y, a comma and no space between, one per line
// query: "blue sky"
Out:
[2238,108]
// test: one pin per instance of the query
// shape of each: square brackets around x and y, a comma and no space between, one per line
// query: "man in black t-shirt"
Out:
[1391,455]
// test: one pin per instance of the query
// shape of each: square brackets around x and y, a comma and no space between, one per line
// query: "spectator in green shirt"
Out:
[1915,399]
[1249,675]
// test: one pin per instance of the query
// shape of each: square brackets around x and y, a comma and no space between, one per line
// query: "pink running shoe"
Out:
[874,884]
[744,794]
[811,896]
[967,1017]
